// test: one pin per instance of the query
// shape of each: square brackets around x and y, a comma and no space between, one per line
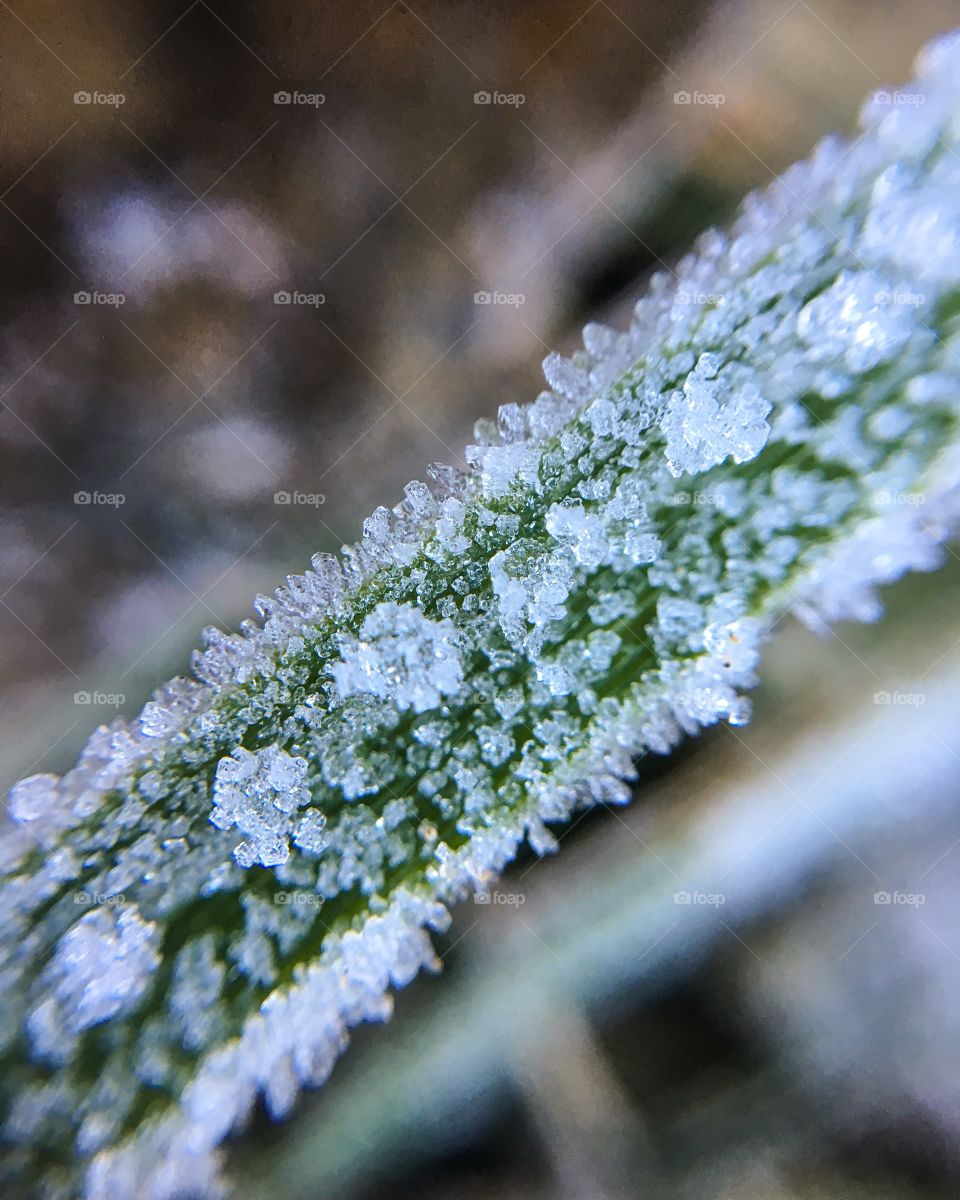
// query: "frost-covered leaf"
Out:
[201,909]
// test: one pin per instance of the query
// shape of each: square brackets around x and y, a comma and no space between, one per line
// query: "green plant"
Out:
[201,909]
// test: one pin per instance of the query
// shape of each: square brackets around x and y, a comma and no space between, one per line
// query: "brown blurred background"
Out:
[185,190]
[444,192]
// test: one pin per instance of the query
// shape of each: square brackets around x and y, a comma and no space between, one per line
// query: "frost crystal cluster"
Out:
[401,656]
[199,911]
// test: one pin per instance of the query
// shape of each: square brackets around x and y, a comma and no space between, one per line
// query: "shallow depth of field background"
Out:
[743,986]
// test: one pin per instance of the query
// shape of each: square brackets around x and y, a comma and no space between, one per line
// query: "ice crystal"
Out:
[202,908]
[856,321]
[719,414]
[258,793]
[401,656]
[101,966]
[573,526]
[35,799]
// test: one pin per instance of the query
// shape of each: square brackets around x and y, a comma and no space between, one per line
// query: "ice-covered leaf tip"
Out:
[199,911]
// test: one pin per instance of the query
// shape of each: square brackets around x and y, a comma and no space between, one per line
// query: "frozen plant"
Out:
[495,652]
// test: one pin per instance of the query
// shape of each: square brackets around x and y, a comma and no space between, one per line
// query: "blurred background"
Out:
[262,264]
